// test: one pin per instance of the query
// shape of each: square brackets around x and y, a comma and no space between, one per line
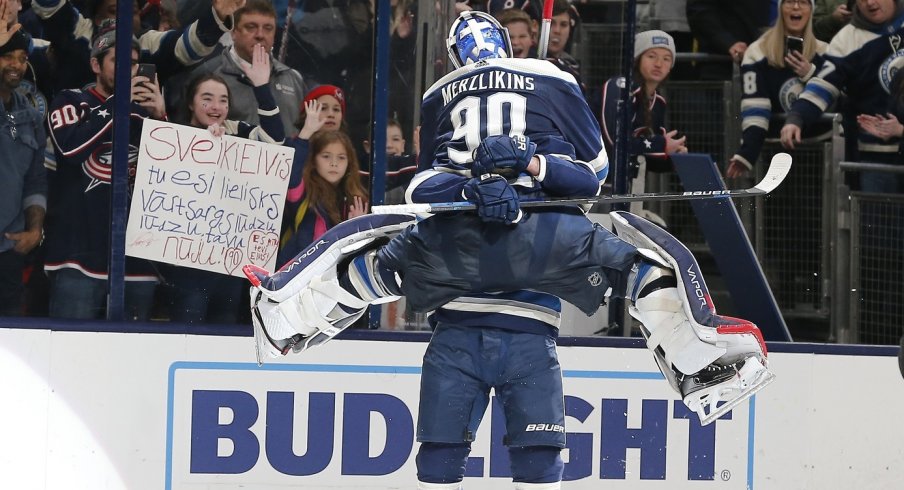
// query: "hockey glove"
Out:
[503,155]
[496,200]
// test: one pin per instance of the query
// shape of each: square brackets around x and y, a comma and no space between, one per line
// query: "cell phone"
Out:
[147,70]
[850,5]
[793,43]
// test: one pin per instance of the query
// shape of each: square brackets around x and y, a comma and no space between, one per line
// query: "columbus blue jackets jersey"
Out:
[644,140]
[861,63]
[508,96]
[769,90]
[80,124]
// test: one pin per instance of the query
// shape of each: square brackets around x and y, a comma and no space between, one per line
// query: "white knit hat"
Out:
[653,39]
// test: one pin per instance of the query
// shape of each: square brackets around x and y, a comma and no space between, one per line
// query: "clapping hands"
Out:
[883,127]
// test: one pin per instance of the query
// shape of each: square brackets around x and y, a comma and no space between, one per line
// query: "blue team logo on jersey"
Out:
[790,92]
[889,67]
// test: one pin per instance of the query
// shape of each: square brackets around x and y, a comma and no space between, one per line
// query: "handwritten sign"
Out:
[210,203]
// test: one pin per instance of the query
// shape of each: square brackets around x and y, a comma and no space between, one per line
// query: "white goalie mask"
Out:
[475,36]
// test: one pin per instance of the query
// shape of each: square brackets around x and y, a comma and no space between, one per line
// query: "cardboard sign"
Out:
[210,203]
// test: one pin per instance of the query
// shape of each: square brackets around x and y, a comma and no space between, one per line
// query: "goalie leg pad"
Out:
[686,304]
[709,359]
[303,304]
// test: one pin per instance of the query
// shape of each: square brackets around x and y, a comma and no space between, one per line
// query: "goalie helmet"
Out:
[475,36]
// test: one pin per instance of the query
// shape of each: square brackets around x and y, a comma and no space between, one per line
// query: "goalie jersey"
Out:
[508,96]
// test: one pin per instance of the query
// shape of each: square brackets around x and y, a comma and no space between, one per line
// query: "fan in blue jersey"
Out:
[861,61]
[654,58]
[77,248]
[497,131]
[774,72]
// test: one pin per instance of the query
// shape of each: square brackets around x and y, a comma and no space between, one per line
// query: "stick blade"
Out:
[778,170]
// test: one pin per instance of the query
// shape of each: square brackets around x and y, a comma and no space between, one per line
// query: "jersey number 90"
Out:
[472,125]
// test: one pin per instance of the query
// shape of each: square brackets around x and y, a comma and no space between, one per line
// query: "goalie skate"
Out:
[717,389]
[303,305]
[714,362]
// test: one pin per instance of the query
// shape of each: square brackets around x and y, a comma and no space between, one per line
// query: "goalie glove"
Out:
[496,200]
[503,155]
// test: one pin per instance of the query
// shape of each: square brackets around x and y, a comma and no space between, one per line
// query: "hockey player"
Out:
[483,273]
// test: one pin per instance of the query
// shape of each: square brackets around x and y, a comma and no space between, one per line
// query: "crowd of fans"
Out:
[299,74]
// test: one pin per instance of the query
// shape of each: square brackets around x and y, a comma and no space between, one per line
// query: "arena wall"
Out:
[109,410]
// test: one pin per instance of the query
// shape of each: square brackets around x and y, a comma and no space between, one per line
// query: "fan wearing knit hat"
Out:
[23,201]
[323,108]
[654,57]
[322,111]
[325,185]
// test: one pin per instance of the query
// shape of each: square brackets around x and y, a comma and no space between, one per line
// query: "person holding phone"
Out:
[861,61]
[77,229]
[773,74]
[830,16]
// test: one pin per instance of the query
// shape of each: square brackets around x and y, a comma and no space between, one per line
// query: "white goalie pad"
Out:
[303,304]
[686,312]
[714,362]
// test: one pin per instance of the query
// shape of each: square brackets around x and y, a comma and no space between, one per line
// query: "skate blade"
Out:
[751,390]
[264,345]
[260,337]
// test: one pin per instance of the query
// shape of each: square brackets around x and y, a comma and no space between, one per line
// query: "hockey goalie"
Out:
[495,131]
[713,362]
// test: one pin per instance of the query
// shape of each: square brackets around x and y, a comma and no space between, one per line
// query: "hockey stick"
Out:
[778,170]
[284,43]
[543,42]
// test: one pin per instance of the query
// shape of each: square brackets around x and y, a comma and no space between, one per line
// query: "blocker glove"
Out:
[503,155]
[496,200]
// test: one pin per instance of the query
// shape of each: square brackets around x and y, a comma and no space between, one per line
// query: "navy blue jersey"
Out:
[769,90]
[647,138]
[862,64]
[80,124]
[508,96]
[515,97]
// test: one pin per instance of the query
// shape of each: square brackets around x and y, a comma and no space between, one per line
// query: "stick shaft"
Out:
[615,198]
[543,42]
[778,170]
